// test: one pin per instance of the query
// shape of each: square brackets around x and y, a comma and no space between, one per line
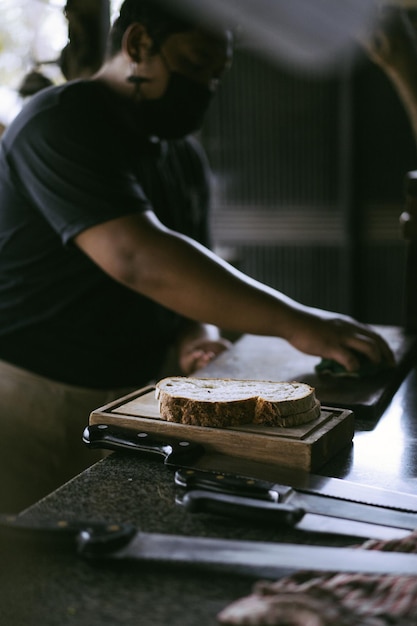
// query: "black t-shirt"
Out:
[72,159]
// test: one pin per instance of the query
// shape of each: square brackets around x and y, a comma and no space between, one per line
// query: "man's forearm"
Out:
[191,281]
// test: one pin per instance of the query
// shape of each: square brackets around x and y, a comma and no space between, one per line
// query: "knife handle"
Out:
[174,451]
[57,533]
[231,484]
[199,501]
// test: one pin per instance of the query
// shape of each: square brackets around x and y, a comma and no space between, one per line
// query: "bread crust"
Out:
[175,406]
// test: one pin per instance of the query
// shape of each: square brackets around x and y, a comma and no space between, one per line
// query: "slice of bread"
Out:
[221,403]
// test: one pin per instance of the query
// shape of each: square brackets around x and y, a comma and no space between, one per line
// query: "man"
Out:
[103,257]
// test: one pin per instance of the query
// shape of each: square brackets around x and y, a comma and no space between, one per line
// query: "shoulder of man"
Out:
[45,105]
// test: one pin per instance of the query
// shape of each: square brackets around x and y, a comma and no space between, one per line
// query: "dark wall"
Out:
[286,144]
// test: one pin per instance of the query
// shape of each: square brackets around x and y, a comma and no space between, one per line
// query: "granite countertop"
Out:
[49,586]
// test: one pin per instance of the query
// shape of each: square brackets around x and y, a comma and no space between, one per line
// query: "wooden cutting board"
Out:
[305,447]
[271,358]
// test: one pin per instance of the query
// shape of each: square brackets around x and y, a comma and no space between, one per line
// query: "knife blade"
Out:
[254,558]
[356,492]
[174,452]
[124,438]
[284,494]
[285,515]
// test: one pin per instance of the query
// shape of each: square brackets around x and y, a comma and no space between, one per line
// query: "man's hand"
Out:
[198,345]
[339,339]
[198,354]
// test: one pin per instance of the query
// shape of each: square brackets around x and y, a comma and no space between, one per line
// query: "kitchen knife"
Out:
[310,503]
[103,540]
[254,558]
[264,511]
[174,452]
[123,438]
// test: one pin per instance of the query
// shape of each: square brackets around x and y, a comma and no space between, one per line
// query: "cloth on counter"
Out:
[329,367]
[322,599]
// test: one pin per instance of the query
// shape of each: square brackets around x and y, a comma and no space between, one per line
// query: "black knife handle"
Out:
[174,451]
[57,533]
[199,501]
[231,484]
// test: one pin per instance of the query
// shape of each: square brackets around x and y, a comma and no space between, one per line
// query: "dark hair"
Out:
[33,82]
[159,20]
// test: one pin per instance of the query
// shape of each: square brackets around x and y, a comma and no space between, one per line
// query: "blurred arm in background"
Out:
[393,46]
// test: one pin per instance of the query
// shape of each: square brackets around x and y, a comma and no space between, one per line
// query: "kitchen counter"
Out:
[56,587]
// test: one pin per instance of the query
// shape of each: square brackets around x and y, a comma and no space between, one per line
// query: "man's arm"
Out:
[180,274]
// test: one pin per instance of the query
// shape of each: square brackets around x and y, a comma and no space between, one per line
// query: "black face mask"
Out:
[179,112]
